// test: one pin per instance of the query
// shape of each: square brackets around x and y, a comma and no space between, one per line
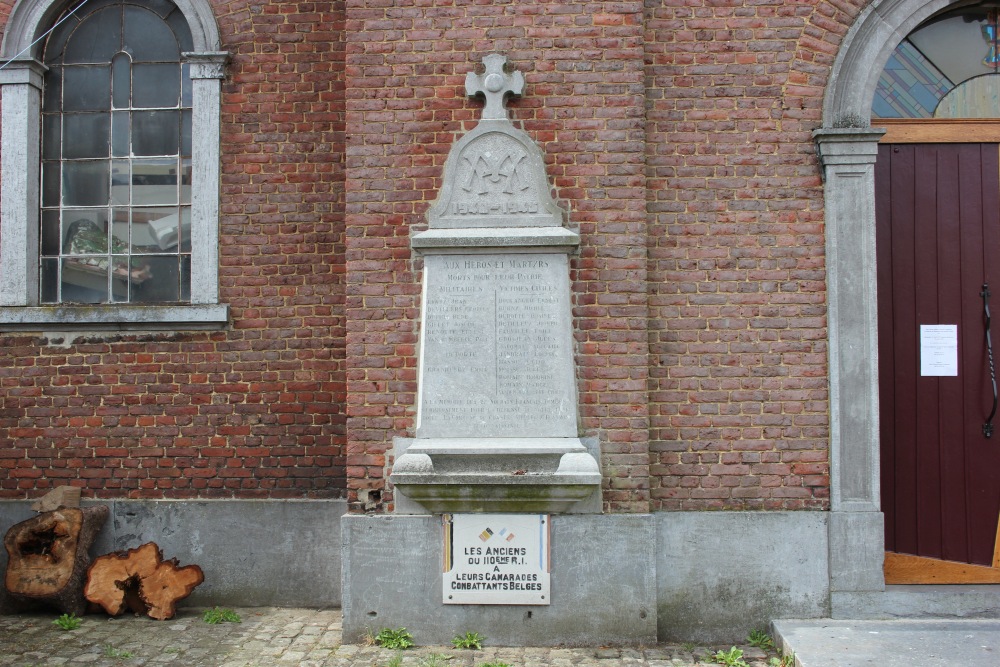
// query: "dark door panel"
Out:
[937,242]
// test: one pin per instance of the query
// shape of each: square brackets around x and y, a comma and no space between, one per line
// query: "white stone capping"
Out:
[848,159]
[113,318]
[207,70]
[20,127]
[524,239]
[26,71]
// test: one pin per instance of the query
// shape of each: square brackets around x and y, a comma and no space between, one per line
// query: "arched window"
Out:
[116,157]
[948,67]
[110,165]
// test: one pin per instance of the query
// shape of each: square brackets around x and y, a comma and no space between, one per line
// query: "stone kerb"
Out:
[497,409]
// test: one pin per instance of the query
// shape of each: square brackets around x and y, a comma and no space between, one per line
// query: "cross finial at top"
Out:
[494,85]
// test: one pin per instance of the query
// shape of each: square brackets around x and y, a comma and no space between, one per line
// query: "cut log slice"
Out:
[47,556]
[141,581]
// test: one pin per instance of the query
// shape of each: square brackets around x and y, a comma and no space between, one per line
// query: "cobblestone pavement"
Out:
[270,636]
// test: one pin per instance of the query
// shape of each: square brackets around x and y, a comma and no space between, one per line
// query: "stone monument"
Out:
[497,419]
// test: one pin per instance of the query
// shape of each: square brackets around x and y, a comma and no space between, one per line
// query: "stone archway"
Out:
[847,147]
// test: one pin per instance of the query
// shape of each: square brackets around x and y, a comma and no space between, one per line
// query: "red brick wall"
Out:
[254,411]
[677,135]
[583,105]
[738,392]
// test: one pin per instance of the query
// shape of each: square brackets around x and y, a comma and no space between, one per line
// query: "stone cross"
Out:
[495,84]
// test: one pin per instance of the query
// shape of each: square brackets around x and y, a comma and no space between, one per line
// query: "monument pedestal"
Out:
[539,475]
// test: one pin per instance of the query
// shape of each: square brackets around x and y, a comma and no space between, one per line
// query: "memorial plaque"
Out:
[496,559]
[496,347]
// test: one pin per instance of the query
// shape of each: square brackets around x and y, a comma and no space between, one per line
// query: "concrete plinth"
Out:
[253,552]
[603,584]
[722,574]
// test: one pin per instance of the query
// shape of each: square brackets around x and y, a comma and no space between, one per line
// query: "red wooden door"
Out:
[938,241]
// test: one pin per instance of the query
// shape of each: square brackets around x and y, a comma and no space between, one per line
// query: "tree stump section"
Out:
[140,580]
[48,556]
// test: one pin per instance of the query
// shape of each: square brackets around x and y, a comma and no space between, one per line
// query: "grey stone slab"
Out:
[933,601]
[253,552]
[591,504]
[930,643]
[857,551]
[524,239]
[722,574]
[496,355]
[603,587]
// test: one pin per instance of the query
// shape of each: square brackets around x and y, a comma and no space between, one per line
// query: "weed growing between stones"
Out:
[117,653]
[761,640]
[216,615]
[68,622]
[470,640]
[398,639]
[731,658]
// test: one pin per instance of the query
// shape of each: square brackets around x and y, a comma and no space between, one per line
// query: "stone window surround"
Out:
[21,83]
[847,148]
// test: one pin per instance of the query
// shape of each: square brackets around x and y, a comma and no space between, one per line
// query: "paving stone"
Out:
[272,636]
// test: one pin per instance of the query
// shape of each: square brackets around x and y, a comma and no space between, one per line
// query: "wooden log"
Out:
[47,556]
[140,580]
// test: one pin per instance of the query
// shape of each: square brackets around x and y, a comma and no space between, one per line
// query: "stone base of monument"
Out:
[603,584]
[442,475]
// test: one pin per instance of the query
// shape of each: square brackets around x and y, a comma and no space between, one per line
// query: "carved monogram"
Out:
[500,174]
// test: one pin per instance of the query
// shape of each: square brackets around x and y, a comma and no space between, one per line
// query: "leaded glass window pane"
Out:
[97,38]
[121,81]
[155,85]
[148,38]
[85,135]
[86,183]
[154,182]
[51,137]
[155,132]
[87,88]
[51,234]
[120,134]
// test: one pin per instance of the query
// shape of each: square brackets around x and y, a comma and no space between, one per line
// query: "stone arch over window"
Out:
[22,81]
[848,146]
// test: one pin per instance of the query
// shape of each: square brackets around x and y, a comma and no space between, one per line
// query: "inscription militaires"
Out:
[497,347]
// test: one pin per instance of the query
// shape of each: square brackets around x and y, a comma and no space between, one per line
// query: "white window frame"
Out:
[20,122]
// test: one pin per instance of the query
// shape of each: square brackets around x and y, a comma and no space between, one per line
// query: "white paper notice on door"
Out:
[939,350]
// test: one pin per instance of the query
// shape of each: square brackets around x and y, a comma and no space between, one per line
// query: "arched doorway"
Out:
[848,147]
[937,185]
